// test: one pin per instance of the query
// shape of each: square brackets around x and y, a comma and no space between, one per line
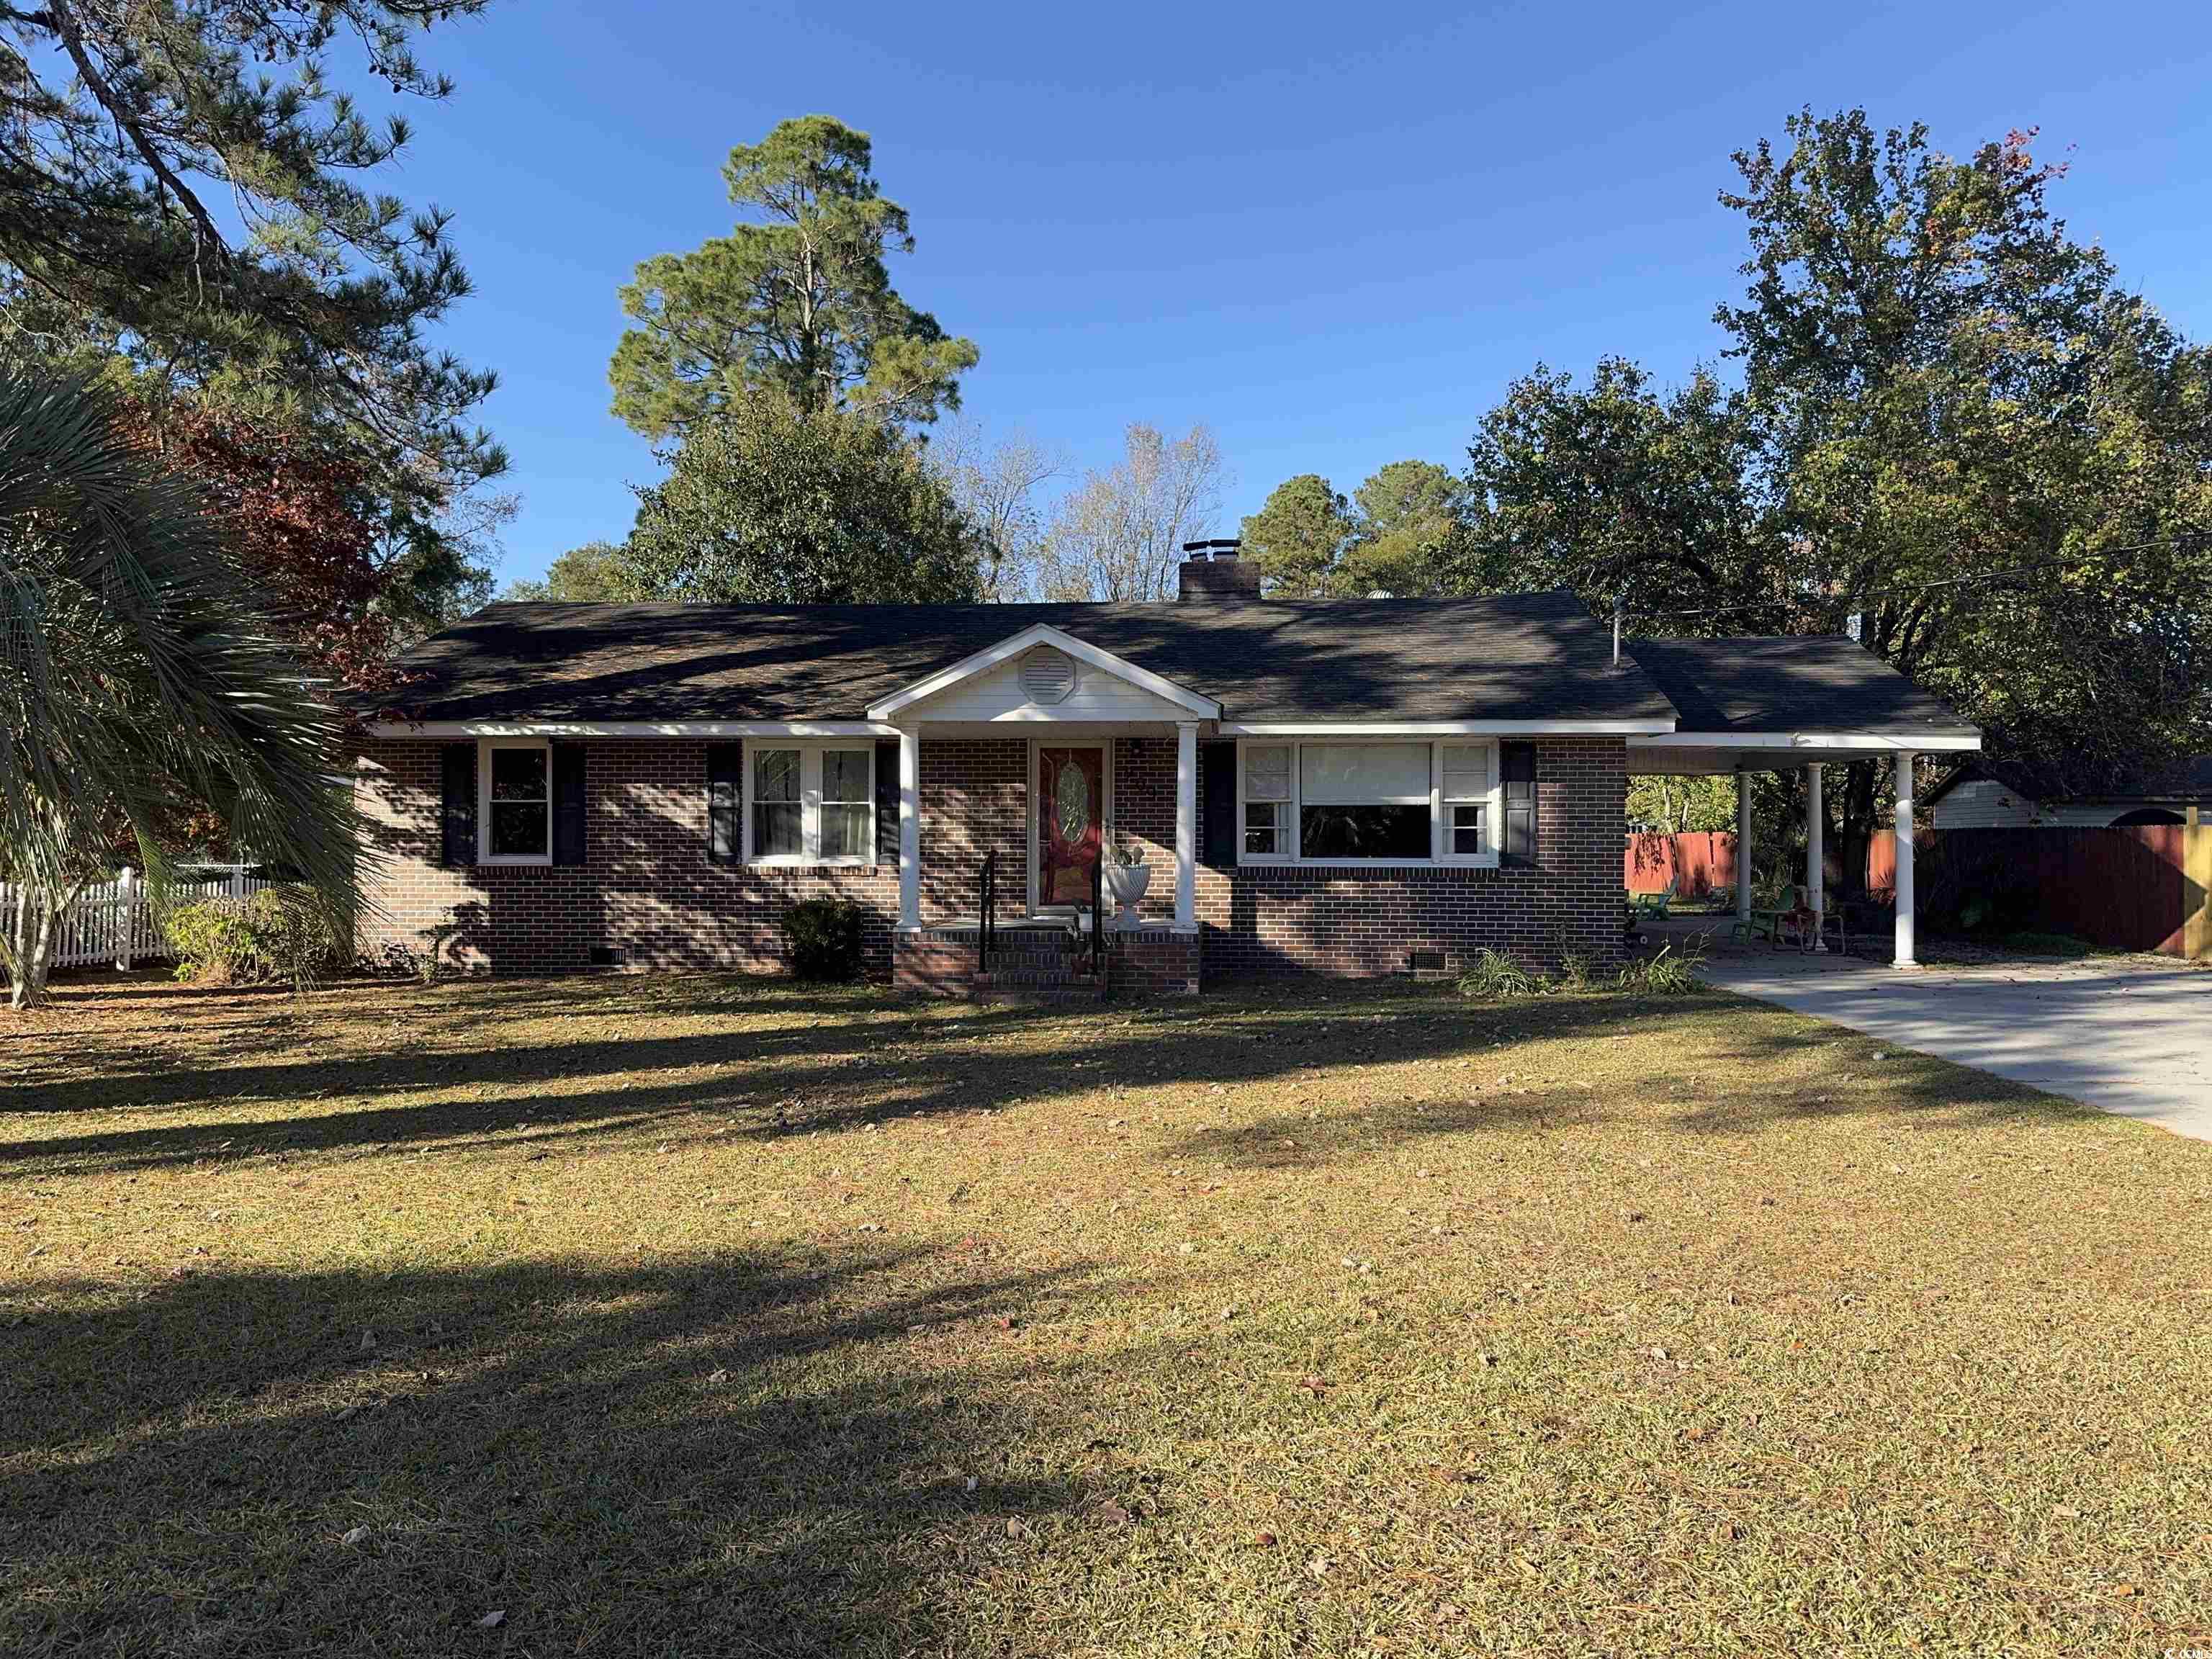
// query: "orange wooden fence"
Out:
[1697,862]
[2144,888]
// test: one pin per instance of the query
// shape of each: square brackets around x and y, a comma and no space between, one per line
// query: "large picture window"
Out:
[516,808]
[1352,803]
[812,804]
[1363,801]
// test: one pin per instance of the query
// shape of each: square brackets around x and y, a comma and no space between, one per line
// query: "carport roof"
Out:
[1762,703]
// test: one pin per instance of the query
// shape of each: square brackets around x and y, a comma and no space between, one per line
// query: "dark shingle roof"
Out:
[1813,683]
[1514,657]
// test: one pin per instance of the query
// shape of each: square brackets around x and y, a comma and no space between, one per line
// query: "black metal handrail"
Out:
[1098,913]
[987,911]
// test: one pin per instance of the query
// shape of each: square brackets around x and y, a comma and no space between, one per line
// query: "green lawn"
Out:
[715,1316]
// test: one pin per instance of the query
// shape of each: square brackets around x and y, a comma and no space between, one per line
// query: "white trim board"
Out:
[1915,743]
[1654,726]
[1044,634]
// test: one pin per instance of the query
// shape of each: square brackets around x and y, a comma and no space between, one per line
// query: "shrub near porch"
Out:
[701,1315]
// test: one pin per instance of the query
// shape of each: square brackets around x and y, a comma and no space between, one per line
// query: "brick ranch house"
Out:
[1350,787]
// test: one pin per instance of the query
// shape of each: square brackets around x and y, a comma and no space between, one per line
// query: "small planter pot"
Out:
[1126,884]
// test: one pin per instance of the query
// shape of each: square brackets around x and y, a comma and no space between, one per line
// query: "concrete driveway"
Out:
[2129,1034]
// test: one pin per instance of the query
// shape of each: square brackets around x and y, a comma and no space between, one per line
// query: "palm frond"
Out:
[138,664]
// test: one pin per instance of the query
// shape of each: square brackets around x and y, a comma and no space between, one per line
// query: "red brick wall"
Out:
[1144,814]
[649,890]
[974,799]
[1269,919]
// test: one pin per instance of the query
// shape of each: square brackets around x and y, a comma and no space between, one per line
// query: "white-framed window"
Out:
[1466,826]
[1265,802]
[1355,804]
[514,800]
[810,803]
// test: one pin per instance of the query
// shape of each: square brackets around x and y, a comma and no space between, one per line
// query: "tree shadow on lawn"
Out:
[1916,1092]
[423,1057]
[725,1453]
[881,1060]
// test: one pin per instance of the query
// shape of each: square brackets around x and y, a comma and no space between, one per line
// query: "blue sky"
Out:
[1332,235]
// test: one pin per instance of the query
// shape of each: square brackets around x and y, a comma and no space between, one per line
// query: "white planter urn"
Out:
[1126,884]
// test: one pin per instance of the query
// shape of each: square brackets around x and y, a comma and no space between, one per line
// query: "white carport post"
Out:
[1186,918]
[1904,860]
[1816,820]
[1743,853]
[909,843]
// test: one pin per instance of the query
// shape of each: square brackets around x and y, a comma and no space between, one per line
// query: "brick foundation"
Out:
[648,896]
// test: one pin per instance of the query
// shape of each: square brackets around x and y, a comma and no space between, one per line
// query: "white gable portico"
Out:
[1061,690]
[1044,673]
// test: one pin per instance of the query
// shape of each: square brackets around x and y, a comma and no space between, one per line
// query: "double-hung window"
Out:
[812,804]
[848,805]
[779,804]
[1336,802]
[1468,827]
[1266,800]
[514,806]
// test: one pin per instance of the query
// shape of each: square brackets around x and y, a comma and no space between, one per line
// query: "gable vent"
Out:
[1047,676]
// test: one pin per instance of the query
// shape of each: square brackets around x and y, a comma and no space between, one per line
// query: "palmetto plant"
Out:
[139,674]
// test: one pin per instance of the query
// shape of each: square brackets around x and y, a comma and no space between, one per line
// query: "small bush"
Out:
[1494,977]
[210,939]
[1665,975]
[824,937]
[421,966]
[279,935]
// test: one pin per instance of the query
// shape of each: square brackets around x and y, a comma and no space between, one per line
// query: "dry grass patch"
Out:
[713,1315]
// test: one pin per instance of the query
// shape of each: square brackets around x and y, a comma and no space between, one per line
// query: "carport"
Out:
[1797,703]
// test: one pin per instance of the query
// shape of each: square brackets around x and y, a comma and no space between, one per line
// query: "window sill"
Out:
[517,860]
[808,864]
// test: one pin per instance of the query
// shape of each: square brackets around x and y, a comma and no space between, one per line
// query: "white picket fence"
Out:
[113,922]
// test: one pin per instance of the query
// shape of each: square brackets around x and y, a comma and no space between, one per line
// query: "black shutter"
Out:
[726,802]
[1516,764]
[458,817]
[1217,772]
[887,802]
[568,817]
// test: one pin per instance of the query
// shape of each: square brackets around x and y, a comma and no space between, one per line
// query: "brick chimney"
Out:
[1210,572]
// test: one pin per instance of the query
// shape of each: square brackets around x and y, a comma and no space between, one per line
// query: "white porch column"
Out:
[1186,824]
[1743,851]
[1816,823]
[910,828]
[1904,860]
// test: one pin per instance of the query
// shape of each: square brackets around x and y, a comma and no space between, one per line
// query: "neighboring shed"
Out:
[1980,796]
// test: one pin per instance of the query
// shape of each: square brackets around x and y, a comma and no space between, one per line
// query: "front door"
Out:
[1070,800]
